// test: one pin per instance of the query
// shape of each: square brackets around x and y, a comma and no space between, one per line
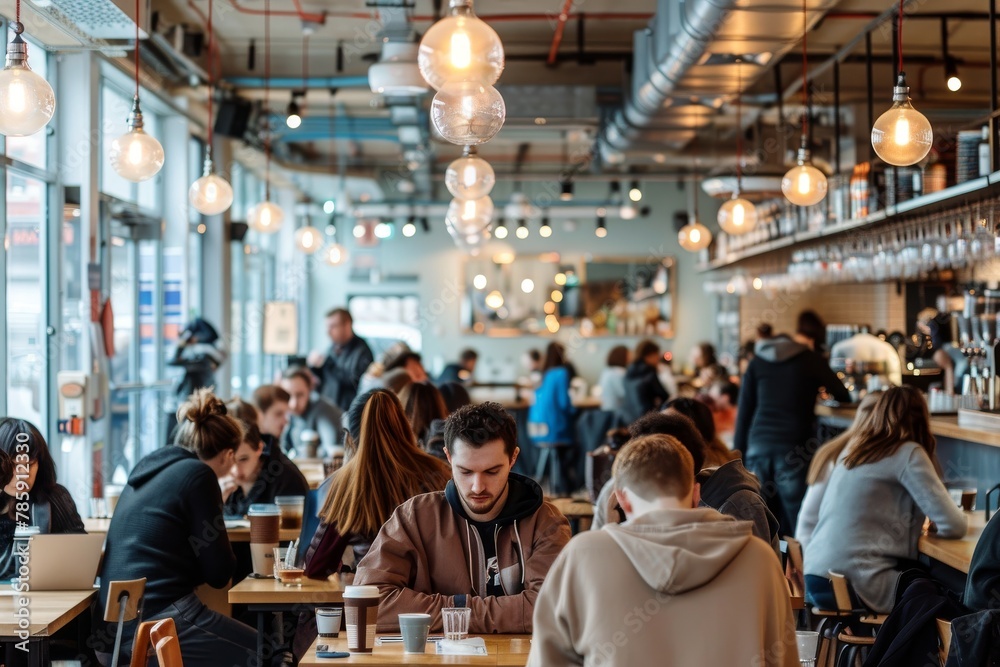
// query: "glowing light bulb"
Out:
[27,102]
[494,299]
[694,236]
[737,216]
[902,136]
[211,194]
[469,216]
[479,282]
[409,229]
[334,254]
[500,232]
[545,231]
[954,83]
[468,113]
[804,184]
[135,155]
[527,285]
[460,47]
[359,231]
[383,230]
[266,217]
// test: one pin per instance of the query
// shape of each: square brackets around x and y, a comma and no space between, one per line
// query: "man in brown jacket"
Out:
[671,586]
[486,542]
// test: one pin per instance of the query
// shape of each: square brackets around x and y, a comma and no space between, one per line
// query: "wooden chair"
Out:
[944,639]
[794,568]
[141,645]
[124,604]
[853,646]
[168,652]
[163,636]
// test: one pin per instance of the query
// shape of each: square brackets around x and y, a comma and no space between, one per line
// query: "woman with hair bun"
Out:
[168,528]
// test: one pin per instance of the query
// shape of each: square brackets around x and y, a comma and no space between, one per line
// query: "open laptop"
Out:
[64,562]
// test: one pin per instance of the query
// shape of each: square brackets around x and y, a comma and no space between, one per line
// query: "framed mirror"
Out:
[628,296]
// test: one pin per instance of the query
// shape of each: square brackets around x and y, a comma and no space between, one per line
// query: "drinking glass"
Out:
[456,622]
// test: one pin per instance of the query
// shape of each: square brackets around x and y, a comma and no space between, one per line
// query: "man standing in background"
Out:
[340,369]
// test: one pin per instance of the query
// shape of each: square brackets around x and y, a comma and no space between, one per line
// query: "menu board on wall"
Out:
[281,328]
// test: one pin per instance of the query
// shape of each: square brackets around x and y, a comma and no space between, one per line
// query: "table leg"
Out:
[260,638]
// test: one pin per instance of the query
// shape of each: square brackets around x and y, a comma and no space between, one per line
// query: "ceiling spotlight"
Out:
[383,230]
[409,229]
[479,282]
[522,229]
[566,190]
[616,192]
[294,114]
[359,230]
[527,285]
[951,75]
[634,193]
[426,226]
[501,229]
[546,229]
[628,212]
[601,230]
[329,206]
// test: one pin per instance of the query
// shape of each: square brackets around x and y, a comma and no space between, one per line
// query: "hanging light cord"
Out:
[136,44]
[739,126]
[805,70]
[17,11]
[211,79]
[305,72]
[899,37]
[267,94]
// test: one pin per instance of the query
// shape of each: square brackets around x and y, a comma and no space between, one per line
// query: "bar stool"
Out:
[163,636]
[944,639]
[852,646]
[124,604]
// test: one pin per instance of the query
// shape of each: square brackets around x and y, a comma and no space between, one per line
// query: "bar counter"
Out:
[941,425]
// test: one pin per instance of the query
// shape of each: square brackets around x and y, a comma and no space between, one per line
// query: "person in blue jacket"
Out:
[550,418]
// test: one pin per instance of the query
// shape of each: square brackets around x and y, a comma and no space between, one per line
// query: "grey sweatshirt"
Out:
[872,515]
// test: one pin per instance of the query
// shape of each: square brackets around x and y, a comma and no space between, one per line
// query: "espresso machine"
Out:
[978,339]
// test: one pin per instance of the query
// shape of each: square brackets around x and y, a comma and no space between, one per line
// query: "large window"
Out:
[26,320]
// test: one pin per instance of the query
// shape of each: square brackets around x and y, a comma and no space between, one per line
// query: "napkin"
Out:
[470,646]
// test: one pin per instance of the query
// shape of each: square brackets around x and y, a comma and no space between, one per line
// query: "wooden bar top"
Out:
[505,650]
[50,611]
[941,425]
[239,533]
[270,591]
[955,553]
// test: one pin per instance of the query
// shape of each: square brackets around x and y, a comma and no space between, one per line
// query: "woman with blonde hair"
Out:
[822,465]
[387,469]
[884,484]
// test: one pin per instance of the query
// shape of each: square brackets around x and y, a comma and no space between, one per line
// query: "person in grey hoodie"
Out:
[729,488]
[640,593]
[775,422]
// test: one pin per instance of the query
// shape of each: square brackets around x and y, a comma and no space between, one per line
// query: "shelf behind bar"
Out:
[952,195]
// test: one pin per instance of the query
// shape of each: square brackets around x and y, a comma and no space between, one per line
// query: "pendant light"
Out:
[335,254]
[468,113]
[211,194]
[135,155]
[902,136]
[469,216]
[804,184]
[738,216]
[694,236]
[470,176]
[266,217]
[293,114]
[26,99]
[308,239]
[460,47]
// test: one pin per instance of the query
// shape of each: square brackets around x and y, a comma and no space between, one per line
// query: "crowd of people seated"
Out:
[427,505]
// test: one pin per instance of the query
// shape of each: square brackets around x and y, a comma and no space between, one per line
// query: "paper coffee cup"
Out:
[361,609]
[265,522]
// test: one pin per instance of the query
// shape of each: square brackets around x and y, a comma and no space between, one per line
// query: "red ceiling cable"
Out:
[211,78]
[805,70]
[558,35]
[267,94]
[739,125]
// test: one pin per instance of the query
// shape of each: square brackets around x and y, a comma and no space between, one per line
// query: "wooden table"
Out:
[505,650]
[236,534]
[50,611]
[579,512]
[264,596]
[955,553]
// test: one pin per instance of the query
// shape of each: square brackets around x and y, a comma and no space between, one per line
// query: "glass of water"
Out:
[456,622]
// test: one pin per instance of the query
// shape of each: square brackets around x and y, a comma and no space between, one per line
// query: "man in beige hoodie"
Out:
[672,586]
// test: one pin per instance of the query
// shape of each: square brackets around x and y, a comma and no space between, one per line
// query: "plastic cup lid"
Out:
[361,592]
[289,500]
[262,509]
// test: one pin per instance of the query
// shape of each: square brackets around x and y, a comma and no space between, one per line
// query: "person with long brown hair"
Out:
[387,469]
[425,409]
[822,465]
[885,482]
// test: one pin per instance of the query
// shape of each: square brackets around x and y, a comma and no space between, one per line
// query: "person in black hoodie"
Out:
[643,390]
[168,528]
[775,421]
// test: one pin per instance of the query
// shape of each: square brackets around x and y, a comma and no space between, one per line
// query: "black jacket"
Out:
[279,476]
[168,527]
[643,391]
[908,638]
[778,398]
[982,589]
[975,640]
[340,373]
[735,491]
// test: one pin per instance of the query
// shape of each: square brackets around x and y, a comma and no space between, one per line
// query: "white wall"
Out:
[438,264]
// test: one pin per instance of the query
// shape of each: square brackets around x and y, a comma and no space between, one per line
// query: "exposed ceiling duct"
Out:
[689,60]
[104,25]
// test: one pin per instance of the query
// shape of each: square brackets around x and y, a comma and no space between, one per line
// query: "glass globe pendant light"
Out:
[460,47]
[308,239]
[470,176]
[211,194]
[738,216]
[266,217]
[902,135]
[468,113]
[26,99]
[804,184]
[469,216]
[135,155]
[335,254]
[694,236]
